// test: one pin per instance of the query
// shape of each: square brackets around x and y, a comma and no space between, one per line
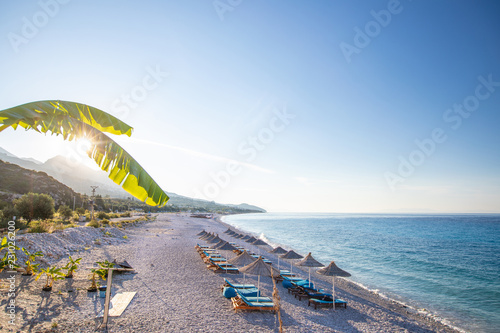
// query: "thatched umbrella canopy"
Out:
[251,239]
[259,242]
[231,232]
[226,247]
[207,236]
[239,236]
[259,267]
[333,271]
[245,237]
[214,240]
[309,261]
[291,255]
[227,231]
[242,259]
[216,246]
[203,232]
[278,250]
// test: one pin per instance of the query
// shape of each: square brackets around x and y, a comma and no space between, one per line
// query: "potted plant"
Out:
[71,266]
[31,267]
[93,282]
[99,274]
[52,273]
[9,259]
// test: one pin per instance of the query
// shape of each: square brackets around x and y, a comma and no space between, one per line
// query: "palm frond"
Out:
[73,121]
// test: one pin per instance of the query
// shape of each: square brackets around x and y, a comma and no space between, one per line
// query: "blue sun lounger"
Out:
[320,303]
[238,286]
[241,302]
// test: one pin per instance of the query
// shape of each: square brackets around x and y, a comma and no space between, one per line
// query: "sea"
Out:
[444,266]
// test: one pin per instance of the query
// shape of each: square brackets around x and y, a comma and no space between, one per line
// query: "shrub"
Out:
[35,206]
[65,212]
[102,215]
[38,227]
[126,214]
[80,210]
[105,221]
[93,223]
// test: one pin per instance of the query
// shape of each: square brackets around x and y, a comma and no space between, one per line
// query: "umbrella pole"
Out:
[291,267]
[258,287]
[309,277]
[333,291]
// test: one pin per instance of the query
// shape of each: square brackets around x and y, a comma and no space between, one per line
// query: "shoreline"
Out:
[359,290]
[175,291]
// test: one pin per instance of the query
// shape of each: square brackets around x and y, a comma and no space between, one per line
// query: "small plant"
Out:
[71,266]
[105,221]
[31,267]
[54,325]
[125,237]
[100,273]
[9,259]
[97,241]
[52,273]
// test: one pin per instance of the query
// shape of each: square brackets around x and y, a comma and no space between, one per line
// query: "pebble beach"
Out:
[175,292]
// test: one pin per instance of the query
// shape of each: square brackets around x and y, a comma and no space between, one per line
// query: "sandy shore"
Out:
[175,291]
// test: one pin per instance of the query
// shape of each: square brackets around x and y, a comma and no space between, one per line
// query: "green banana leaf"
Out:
[74,121]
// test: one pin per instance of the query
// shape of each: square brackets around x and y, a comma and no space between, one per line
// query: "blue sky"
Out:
[289,105]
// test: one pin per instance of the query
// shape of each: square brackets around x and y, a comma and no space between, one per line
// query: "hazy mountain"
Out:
[16,181]
[79,178]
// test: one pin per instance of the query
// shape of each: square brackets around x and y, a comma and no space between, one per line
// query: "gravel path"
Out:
[175,291]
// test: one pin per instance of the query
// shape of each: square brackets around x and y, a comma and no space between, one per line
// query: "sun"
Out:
[83,145]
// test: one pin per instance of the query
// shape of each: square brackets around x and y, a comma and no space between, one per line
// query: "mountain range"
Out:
[79,178]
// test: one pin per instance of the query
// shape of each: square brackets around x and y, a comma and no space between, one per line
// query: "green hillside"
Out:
[16,181]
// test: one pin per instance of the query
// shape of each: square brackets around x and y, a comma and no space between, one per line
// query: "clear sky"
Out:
[319,106]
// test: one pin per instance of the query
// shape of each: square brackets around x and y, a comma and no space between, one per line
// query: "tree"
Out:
[74,121]
[99,202]
[65,212]
[35,206]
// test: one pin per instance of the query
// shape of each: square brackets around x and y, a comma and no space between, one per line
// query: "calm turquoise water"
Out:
[447,264]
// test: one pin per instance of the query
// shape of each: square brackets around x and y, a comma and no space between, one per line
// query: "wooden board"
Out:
[119,303]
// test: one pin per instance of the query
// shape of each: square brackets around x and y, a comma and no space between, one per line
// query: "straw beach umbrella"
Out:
[241,260]
[309,261]
[259,242]
[259,267]
[291,255]
[214,240]
[226,247]
[245,237]
[208,235]
[251,239]
[203,232]
[333,271]
[216,246]
[278,250]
